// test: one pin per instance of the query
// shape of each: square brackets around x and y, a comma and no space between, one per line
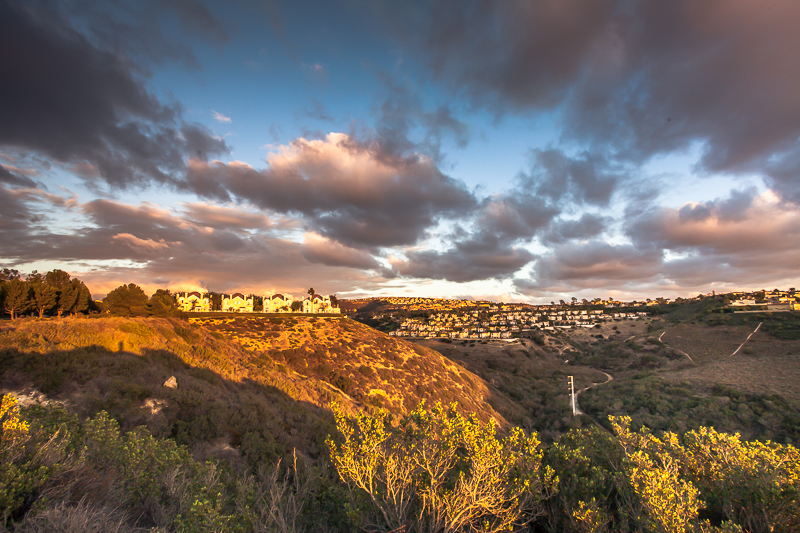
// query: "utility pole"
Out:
[572,394]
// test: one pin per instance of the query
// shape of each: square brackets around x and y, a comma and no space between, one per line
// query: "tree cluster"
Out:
[43,293]
[131,300]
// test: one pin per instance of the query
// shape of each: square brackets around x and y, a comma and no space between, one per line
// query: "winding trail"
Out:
[747,339]
[593,385]
[671,348]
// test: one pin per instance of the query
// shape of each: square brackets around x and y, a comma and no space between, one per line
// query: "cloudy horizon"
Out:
[517,151]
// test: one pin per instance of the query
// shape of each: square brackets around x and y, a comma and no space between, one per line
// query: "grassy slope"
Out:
[227,401]
[232,399]
[370,367]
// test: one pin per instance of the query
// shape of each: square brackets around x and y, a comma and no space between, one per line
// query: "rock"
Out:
[172,383]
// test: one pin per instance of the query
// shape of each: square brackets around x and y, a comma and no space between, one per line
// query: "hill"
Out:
[370,367]
[249,388]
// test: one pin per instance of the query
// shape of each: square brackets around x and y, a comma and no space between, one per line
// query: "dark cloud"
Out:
[466,261]
[588,178]
[517,52]
[318,249]
[403,110]
[73,101]
[632,79]
[493,248]
[350,192]
[587,226]
[593,265]
[15,216]
[11,178]
[171,249]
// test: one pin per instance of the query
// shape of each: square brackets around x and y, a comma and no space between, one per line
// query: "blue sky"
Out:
[525,151]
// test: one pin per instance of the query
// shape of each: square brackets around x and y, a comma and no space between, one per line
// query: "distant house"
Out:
[319,304]
[193,302]
[744,301]
[278,303]
[237,303]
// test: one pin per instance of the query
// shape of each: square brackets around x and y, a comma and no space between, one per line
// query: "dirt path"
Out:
[747,339]
[671,348]
[609,378]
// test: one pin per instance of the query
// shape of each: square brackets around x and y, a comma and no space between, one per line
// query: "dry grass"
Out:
[364,364]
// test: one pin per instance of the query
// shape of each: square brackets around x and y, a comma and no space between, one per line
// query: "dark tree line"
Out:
[52,292]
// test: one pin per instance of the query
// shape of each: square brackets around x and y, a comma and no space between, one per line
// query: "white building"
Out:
[193,302]
[278,303]
[237,303]
[319,304]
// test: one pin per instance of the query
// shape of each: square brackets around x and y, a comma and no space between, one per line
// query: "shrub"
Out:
[438,471]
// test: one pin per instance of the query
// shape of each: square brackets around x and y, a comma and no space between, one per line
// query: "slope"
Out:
[370,367]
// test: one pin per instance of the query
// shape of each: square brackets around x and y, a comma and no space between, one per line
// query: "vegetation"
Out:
[220,424]
[42,293]
[432,470]
[668,406]
[126,300]
[373,369]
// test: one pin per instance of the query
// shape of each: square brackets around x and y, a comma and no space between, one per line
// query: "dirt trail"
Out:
[747,339]
[671,348]
[609,378]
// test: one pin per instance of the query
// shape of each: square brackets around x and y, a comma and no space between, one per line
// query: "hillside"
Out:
[368,366]
[247,388]
[684,371]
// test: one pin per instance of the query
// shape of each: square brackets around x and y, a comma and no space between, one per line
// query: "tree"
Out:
[334,300]
[126,300]
[17,297]
[74,298]
[7,274]
[312,292]
[216,301]
[162,304]
[297,305]
[45,297]
[34,277]
[57,278]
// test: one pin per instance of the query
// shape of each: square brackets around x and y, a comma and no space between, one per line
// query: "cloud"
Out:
[221,217]
[585,179]
[354,193]
[14,178]
[586,227]
[403,110]
[743,240]
[631,79]
[742,225]
[219,117]
[136,242]
[76,101]
[319,249]
[118,243]
[317,111]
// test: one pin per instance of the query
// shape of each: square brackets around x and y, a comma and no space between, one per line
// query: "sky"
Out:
[524,151]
